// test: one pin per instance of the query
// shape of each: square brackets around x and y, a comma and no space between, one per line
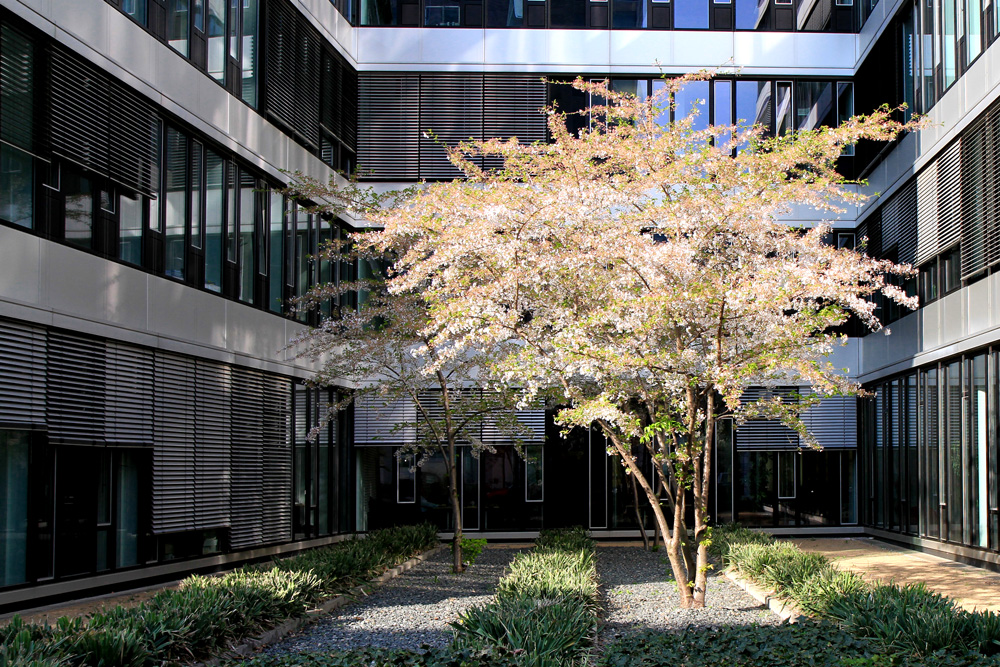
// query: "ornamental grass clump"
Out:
[546,606]
[204,614]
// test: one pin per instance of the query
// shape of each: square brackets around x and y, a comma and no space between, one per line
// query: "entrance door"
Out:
[76,511]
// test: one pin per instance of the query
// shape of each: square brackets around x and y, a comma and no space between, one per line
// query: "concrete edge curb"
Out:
[783,609]
[251,645]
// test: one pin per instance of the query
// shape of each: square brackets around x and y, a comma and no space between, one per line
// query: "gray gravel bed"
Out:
[412,609]
[640,594]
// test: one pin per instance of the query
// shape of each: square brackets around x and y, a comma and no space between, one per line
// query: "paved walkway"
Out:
[971,587]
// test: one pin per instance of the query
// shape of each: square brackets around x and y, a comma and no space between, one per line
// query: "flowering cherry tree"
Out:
[642,271]
[385,349]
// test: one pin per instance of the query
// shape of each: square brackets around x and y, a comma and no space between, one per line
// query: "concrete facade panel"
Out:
[954,323]
[978,295]
[125,297]
[73,282]
[20,268]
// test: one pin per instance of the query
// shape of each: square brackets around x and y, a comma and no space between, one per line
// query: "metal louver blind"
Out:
[899,223]
[512,106]
[75,397]
[277,459]
[332,78]
[765,434]
[973,213]
[130,395]
[211,459]
[451,111]
[389,126]
[375,422]
[949,192]
[293,69]
[135,141]
[247,458]
[79,113]
[17,90]
[23,373]
[533,428]
[991,184]
[927,213]
[348,106]
[173,450]
[834,422]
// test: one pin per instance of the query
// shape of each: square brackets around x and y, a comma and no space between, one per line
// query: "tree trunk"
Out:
[703,479]
[638,514]
[456,506]
[674,545]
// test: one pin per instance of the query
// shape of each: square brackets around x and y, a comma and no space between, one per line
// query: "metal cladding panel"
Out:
[375,422]
[23,373]
[75,396]
[173,452]
[451,111]
[212,450]
[949,192]
[927,213]
[246,490]
[389,126]
[834,422]
[80,115]
[277,460]
[974,176]
[899,223]
[130,395]
[19,121]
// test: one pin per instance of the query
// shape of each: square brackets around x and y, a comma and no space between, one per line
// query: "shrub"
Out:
[564,539]
[471,548]
[725,535]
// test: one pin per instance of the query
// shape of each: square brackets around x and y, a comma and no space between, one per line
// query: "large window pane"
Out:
[948,43]
[724,471]
[848,487]
[13,507]
[380,12]
[973,28]
[845,108]
[927,49]
[628,14]
[178,25]
[215,172]
[690,14]
[17,187]
[197,192]
[753,104]
[136,9]
[442,13]
[815,104]
[534,461]
[216,33]
[692,100]
[783,108]
[79,209]
[932,485]
[749,13]
[912,457]
[956,504]
[723,111]
[568,13]
[130,211]
[127,530]
[895,422]
[249,56]
[876,488]
[176,203]
[327,233]
[978,466]
[500,13]
[247,226]
[277,242]
[303,251]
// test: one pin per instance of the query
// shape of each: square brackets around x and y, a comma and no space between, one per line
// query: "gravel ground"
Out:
[412,609]
[640,594]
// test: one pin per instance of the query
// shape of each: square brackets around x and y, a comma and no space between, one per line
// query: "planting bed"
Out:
[639,595]
[411,610]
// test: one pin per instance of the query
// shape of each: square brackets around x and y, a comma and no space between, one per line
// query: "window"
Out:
[130,210]
[215,173]
[628,14]
[815,105]
[215,31]
[749,13]
[534,460]
[953,450]
[932,486]
[17,190]
[846,241]
[928,282]
[978,467]
[783,108]
[176,178]
[277,243]
[973,29]
[693,99]
[948,38]
[248,221]
[137,9]
[786,475]
[691,14]
[951,270]
[723,111]
[249,52]
[79,209]
[14,457]
[179,26]
[845,107]
[442,13]
[197,193]
[500,13]
[406,485]
[753,103]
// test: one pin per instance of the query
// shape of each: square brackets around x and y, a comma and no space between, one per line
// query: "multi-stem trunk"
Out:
[456,507]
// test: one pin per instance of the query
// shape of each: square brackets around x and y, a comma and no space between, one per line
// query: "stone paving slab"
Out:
[973,588]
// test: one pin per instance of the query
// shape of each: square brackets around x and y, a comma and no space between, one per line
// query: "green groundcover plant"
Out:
[902,622]
[205,613]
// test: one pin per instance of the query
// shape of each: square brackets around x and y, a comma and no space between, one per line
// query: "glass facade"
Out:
[930,452]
